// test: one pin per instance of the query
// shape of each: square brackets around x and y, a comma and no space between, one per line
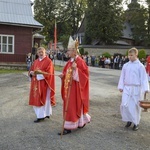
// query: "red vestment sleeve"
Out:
[148,65]
[83,73]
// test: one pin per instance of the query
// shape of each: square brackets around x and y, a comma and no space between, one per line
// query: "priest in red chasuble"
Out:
[42,90]
[75,90]
[148,67]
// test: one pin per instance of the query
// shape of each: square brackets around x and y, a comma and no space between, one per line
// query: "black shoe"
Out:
[135,128]
[128,124]
[38,120]
[47,117]
[82,126]
[65,132]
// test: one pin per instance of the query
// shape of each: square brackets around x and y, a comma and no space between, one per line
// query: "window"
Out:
[7,44]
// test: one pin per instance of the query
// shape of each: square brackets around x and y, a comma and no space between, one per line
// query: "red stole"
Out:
[79,93]
[38,89]
[148,65]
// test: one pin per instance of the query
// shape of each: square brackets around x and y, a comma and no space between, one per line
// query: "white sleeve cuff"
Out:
[39,77]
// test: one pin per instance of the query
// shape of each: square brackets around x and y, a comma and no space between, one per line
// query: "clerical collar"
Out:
[40,59]
[72,59]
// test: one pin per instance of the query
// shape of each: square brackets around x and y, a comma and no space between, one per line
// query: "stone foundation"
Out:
[95,50]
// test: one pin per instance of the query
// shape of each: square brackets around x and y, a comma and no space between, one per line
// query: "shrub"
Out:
[106,54]
[142,54]
[86,53]
[127,52]
[81,50]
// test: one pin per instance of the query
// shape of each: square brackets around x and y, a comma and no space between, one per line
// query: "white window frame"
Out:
[1,43]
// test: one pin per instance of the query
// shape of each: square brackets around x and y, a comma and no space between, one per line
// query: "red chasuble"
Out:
[148,65]
[38,89]
[79,92]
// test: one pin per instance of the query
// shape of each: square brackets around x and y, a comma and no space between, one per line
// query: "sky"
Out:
[129,1]
[123,3]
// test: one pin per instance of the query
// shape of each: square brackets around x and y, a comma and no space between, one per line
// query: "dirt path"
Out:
[105,132]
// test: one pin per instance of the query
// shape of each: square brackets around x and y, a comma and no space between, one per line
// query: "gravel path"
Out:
[105,132]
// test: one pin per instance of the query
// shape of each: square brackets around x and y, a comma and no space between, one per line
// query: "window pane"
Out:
[9,40]
[5,39]
[4,48]
[6,44]
[9,48]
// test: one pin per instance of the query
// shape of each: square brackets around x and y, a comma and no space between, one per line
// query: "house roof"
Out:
[17,12]
[126,32]
[81,29]
[120,42]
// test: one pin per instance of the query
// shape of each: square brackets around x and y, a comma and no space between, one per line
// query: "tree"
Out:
[104,21]
[68,14]
[64,40]
[148,23]
[45,11]
[137,16]
[73,11]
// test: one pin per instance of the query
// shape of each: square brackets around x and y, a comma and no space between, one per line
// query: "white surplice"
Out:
[46,110]
[134,83]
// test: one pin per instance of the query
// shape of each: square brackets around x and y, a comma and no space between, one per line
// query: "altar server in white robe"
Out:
[133,84]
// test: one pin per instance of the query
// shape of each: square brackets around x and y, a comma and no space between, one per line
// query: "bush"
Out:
[106,54]
[142,54]
[86,53]
[127,52]
[81,50]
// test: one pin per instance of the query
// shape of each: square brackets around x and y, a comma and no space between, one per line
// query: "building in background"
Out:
[18,30]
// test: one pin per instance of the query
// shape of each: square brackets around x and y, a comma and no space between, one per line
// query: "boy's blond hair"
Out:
[41,48]
[133,50]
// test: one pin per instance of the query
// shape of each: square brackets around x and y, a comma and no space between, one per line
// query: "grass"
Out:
[58,68]
[7,71]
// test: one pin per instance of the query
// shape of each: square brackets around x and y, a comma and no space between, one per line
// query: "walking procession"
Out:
[74,80]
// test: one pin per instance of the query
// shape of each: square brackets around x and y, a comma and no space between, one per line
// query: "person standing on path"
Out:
[77,93]
[42,90]
[148,67]
[133,84]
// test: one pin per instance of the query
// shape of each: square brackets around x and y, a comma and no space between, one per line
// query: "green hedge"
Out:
[142,54]
[106,54]
[81,50]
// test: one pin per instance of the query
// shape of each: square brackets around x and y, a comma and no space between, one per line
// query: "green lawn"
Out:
[7,71]
[58,68]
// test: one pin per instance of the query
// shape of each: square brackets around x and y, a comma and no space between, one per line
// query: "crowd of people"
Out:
[114,62]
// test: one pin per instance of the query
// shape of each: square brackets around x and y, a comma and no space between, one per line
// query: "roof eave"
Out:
[23,25]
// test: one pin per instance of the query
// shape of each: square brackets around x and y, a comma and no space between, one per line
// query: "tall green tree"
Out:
[137,16]
[45,12]
[104,21]
[68,15]
[148,23]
